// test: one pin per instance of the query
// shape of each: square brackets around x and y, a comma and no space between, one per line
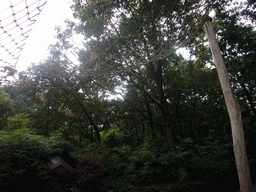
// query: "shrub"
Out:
[24,160]
[151,163]
[155,163]
[119,168]
[113,137]
[91,170]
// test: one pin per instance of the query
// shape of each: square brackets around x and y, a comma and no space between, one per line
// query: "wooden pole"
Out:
[234,112]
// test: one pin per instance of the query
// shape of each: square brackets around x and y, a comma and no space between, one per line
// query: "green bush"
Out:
[18,121]
[212,162]
[113,138]
[155,163]
[117,166]
[24,159]
[91,172]
[151,163]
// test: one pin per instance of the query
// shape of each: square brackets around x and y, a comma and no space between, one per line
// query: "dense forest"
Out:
[162,125]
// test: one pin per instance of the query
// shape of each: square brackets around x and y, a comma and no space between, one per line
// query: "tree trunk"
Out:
[234,112]
[164,106]
[96,129]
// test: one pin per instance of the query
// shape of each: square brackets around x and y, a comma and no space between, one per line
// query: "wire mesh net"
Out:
[118,22]
[17,18]
[174,25]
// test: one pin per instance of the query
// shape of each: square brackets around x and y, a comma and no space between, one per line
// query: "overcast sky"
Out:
[54,13]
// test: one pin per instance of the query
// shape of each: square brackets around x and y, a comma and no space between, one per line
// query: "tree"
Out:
[234,112]
[6,105]
[59,100]
[143,31]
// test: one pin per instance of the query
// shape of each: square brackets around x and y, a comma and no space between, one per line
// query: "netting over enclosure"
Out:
[118,35]
[133,33]
[16,21]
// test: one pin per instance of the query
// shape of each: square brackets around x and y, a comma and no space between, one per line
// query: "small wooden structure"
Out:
[59,166]
[64,172]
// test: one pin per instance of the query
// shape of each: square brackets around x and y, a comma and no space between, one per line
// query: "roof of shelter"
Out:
[58,161]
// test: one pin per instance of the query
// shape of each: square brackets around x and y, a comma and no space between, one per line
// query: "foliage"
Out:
[113,137]
[6,105]
[18,121]
[91,172]
[122,142]
[153,163]
[24,158]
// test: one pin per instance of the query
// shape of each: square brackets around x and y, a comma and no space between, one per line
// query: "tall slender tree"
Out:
[234,111]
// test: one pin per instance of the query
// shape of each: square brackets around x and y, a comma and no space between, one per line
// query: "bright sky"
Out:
[54,13]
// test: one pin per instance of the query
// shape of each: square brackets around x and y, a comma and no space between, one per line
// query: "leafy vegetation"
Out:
[160,124]
[24,157]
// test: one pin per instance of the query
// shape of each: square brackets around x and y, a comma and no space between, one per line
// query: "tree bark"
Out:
[168,129]
[233,110]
